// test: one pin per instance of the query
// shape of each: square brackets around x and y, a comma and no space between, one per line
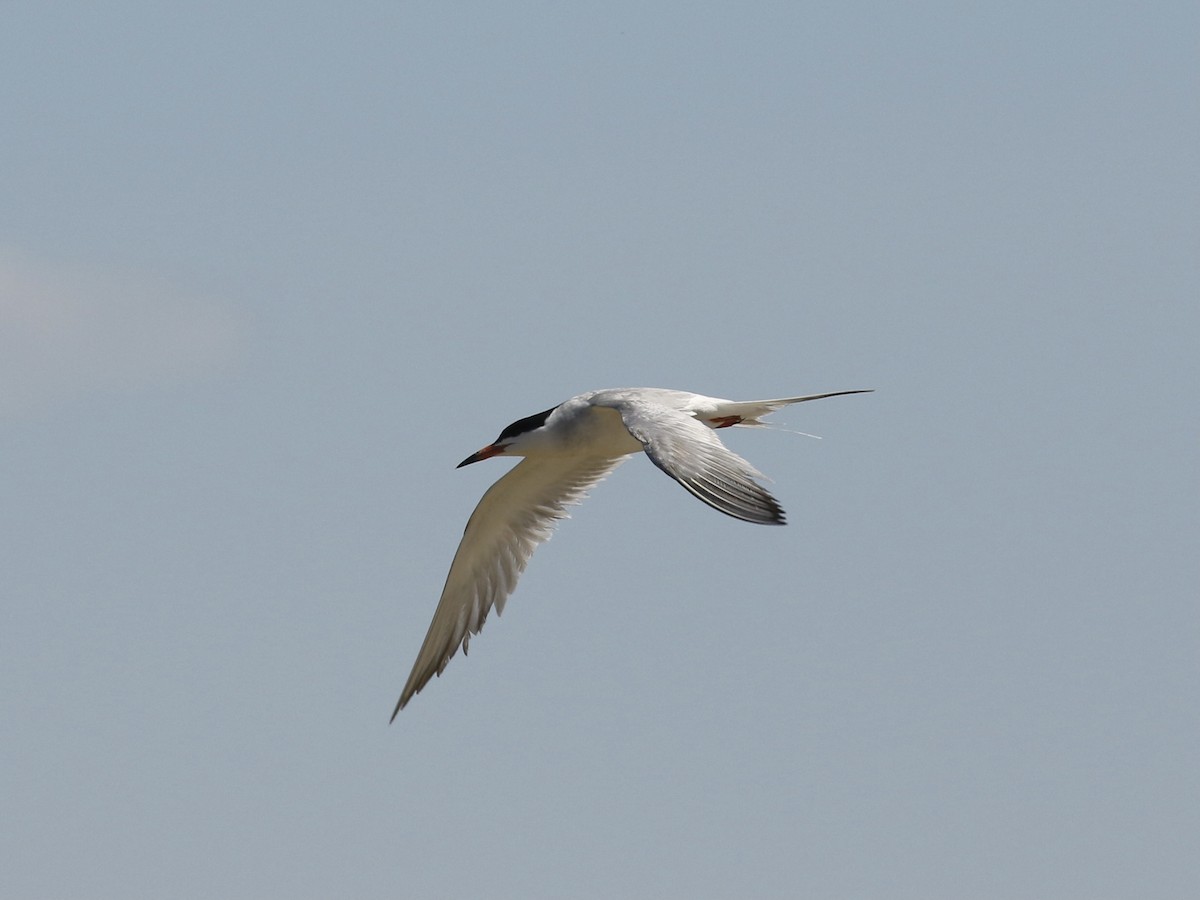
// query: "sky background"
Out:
[269,271]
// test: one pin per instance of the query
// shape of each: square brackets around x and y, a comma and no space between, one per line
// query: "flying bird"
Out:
[568,449]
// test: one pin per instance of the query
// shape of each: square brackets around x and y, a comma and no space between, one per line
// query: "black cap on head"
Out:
[529,423]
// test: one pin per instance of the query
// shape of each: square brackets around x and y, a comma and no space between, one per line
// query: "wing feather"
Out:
[516,514]
[691,453]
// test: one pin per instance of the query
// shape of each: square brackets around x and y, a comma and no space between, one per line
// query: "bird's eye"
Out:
[529,423]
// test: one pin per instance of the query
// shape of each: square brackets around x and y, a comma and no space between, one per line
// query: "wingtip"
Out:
[406,695]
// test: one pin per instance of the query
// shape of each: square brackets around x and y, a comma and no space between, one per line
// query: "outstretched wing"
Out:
[516,514]
[692,454]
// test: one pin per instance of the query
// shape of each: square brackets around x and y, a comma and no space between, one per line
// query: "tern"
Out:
[567,450]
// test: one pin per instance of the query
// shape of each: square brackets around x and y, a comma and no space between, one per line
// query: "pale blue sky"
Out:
[267,275]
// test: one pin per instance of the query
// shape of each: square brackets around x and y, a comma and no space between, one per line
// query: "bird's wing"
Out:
[516,514]
[692,454]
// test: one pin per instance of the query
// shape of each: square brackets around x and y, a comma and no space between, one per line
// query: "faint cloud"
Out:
[65,332]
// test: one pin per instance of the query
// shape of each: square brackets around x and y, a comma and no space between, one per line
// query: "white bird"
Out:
[568,449]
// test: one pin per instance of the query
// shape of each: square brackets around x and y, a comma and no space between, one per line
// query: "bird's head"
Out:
[512,440]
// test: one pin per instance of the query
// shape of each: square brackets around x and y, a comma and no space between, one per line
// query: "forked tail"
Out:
[750,412]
